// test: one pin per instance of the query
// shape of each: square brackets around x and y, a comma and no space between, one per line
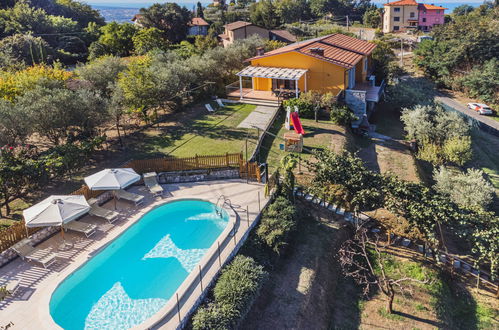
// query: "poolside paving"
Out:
[260,117]
[28,309]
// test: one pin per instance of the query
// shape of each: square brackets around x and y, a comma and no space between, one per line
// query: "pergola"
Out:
[271,73]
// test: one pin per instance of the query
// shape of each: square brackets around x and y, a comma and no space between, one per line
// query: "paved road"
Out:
[484,120]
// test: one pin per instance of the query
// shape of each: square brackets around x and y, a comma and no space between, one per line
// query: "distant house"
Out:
[242,30]
[198,27]
[335,63]
[282,35]
[405,15]
[430,16]
[136,19]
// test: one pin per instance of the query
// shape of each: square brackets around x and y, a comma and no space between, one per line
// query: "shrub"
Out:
[341,115]
[277,224]
[443,136]
[234,293]
[470,189]
[305,107]
[457,150]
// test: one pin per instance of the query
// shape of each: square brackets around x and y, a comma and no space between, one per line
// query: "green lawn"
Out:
[320,135]
[203,134]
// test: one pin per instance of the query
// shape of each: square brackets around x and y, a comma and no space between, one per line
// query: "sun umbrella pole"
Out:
[114,197]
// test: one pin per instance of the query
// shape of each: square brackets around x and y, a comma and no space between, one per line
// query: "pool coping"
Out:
[44,309]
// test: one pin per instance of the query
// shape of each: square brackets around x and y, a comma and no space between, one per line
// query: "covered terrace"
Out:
[268,83]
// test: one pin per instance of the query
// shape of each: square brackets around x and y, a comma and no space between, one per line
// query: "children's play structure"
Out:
[293,140]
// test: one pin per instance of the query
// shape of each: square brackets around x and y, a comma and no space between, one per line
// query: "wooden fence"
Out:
[171,164]
[13,234]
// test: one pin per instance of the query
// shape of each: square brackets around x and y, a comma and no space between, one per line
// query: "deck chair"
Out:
[85,228]
[209,107]
[29,253]
[101,212]
[12,286]
[220,103]
[152,184]
[131,197]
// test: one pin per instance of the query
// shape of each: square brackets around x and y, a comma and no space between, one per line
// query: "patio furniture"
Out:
[209,107]
[101,212]
[112,179]
[152,184]
[131,197]
[85,228]
[56,211]
[12,286]
[220,103]
[29,253]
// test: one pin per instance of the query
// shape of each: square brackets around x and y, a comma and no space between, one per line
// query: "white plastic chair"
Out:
[220,103]
[209,108]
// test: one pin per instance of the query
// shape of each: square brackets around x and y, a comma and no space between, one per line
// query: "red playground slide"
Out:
[296,123]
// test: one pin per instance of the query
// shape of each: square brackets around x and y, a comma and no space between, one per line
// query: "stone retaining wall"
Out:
[198,175]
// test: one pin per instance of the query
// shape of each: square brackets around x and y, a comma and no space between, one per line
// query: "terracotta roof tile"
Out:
[199,21]
[284,34]
[338,49]
[236,25]
[430,7]
[402,3]
[350,43]
[333,54]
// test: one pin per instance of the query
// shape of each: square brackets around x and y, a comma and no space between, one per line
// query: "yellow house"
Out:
[332,63]
[335,63]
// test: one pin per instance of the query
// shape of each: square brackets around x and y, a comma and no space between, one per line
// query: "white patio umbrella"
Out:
[112,179]
[56,211]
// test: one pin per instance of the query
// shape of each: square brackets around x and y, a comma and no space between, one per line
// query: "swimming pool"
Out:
[136,274]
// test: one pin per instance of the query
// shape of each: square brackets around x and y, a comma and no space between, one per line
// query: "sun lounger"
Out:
[220,103]
[101,212]
[209,107]
[28,252]
[12,286]
[152,184]
[85,228]
[131,197]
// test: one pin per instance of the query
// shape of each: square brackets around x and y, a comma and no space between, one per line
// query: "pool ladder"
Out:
[221,202]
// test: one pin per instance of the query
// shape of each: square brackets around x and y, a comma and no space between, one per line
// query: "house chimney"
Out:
[318,51]
[260,51]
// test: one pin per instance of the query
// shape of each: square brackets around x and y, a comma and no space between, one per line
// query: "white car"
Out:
[481,108]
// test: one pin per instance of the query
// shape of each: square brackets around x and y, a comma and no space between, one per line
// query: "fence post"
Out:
[200,278]
[227,159]
[178,311]
[197,162]
[219,259]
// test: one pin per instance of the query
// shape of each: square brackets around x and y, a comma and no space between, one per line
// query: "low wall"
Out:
[198,175]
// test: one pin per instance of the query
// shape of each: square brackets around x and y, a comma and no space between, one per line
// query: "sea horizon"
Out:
[123,11]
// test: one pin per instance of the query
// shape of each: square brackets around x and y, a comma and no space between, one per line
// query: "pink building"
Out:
[429,16]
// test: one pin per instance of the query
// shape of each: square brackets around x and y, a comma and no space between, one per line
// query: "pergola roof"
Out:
[270,72]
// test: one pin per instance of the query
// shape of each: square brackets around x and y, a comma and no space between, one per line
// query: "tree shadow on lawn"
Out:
[298,292]
[454,304]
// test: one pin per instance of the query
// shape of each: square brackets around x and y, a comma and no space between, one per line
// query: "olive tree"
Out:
[469,189]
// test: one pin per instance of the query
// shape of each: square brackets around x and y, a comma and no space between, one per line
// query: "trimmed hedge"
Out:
[277,223]
[234,292]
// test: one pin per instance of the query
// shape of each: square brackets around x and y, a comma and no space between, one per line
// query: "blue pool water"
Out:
[134,276]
